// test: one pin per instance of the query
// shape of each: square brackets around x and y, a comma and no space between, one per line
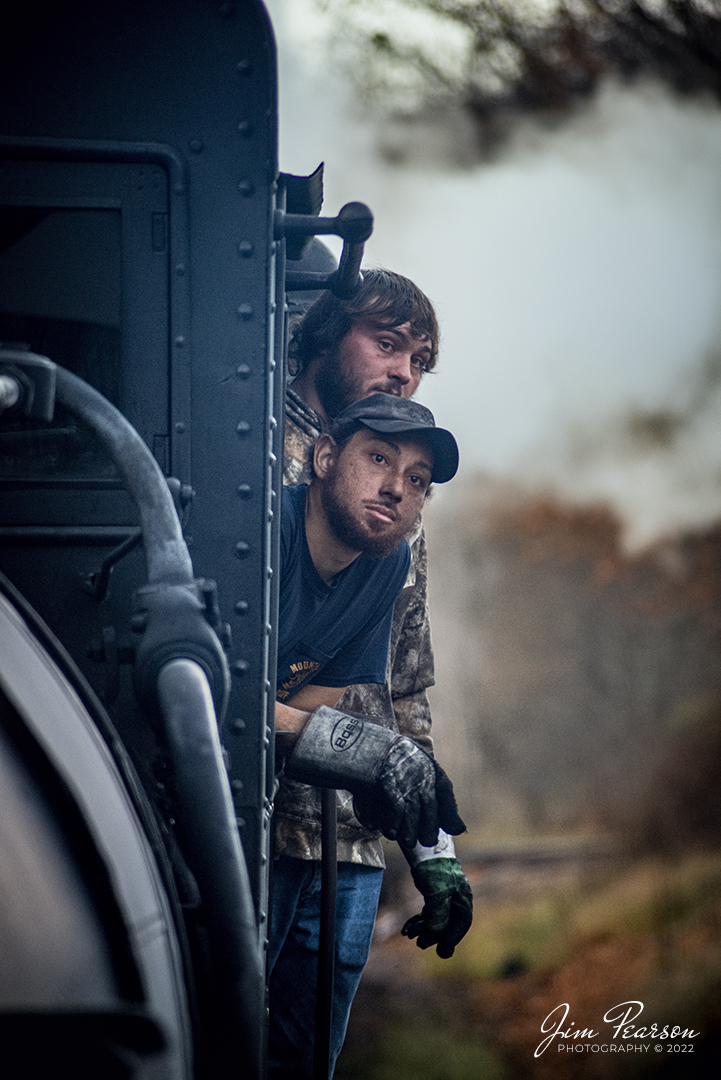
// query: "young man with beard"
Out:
[344,560]
[381,340]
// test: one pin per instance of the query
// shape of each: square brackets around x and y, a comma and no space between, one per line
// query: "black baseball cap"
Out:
[387,414]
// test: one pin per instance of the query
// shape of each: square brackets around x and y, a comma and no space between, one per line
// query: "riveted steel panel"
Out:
[155,125]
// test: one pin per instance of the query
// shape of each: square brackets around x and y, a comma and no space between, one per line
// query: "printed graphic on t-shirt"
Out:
[301,672]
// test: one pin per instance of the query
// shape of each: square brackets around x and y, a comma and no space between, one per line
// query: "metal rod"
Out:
[326,953]
[346,279]
[211,845]
[90,535]
[305,280]
[99,582]
[354,223]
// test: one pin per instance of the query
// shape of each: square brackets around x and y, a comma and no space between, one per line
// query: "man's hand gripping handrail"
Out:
[396,787]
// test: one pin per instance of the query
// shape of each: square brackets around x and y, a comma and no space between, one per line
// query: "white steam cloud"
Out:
[578,281]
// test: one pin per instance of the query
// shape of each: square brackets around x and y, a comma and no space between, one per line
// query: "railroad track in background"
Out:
[542,853]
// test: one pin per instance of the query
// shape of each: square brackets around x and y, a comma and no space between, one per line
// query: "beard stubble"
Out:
[371,538]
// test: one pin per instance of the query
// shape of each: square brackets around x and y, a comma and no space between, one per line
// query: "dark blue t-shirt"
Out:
[332,635]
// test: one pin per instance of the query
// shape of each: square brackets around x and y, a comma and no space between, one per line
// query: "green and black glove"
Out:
[448,909]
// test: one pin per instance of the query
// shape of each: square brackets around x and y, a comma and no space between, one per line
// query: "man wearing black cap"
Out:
[344,560]
[383,339]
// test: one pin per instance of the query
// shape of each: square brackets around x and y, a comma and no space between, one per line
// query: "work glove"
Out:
[448,909]
[396,787]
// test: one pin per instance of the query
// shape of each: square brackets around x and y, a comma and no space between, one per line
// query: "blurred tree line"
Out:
[584,678]
[499,60]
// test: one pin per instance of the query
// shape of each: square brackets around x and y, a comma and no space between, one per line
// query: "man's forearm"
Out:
[291,717]
[289,722]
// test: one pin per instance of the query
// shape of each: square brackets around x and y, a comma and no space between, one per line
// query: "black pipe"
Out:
[211,844]
[71,535]
[354,223]
[346,279]
[99,582]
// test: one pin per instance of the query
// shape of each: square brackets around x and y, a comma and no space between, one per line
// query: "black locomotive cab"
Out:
[145,234]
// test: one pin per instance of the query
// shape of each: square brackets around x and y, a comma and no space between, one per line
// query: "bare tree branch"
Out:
[522,58]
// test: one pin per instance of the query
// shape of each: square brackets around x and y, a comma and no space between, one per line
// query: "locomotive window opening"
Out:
[60,295]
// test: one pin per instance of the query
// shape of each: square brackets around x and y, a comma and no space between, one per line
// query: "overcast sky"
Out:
[578,280]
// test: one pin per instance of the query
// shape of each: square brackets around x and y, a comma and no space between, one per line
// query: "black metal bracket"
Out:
[97,582]
[354,224]
[27,383]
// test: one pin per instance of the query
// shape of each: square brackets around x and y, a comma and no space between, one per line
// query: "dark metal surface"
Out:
[166,552]
[84,1044]
[142,249]
[155,125]
[100,844]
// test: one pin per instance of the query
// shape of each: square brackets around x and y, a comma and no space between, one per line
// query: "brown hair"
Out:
[384,297]
[341,432]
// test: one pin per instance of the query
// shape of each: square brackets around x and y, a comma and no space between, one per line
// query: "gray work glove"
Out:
[448,909]
[396,787]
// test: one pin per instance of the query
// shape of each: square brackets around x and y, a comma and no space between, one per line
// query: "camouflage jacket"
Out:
[401,702]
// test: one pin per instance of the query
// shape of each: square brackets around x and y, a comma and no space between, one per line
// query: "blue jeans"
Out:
[293,957]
